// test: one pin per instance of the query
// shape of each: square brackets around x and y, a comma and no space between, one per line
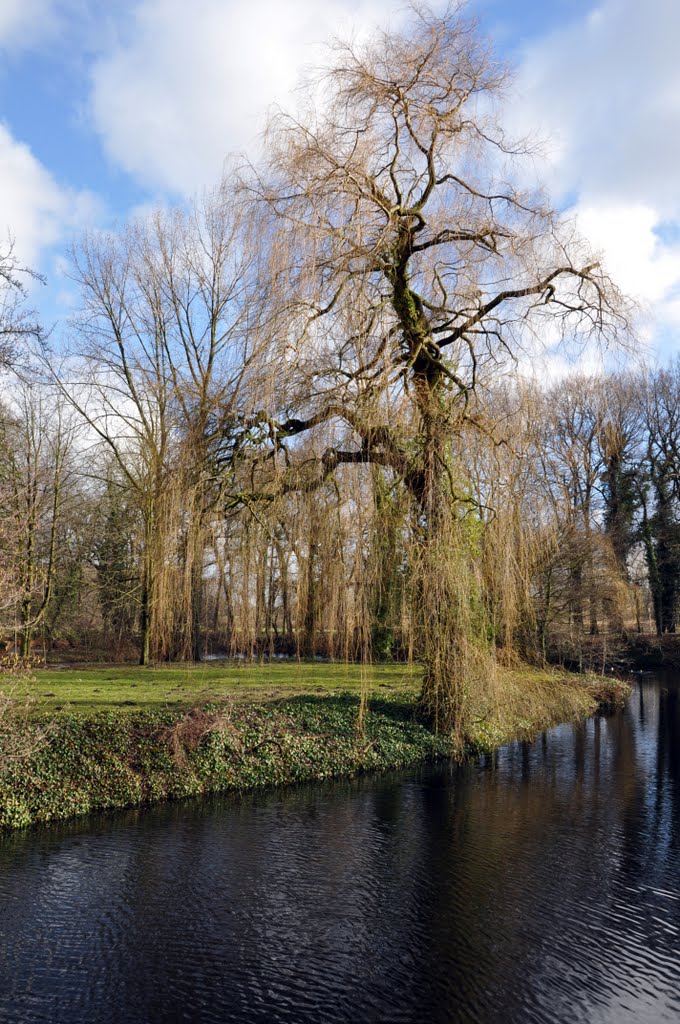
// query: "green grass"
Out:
[116,687]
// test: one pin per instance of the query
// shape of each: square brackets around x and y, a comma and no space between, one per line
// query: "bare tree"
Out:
[407,267]
[161,352]
[660,494]
[18,323]
[35,439]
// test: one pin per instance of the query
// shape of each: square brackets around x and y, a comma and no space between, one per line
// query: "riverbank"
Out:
[61,763]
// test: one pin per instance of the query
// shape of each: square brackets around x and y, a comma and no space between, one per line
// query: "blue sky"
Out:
[105,110]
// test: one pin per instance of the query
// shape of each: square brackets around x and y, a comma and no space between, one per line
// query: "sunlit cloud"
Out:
[186,86]
[34,209]
[604,92]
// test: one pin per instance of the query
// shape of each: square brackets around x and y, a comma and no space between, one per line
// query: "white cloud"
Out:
[605,91]
[34,209]
[25,24]
[185,85]
[642,264]
[189,84]
[20,19]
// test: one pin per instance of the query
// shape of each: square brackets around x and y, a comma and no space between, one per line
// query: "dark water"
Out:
[540,885]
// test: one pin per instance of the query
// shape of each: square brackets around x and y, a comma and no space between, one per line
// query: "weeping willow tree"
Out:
[405,267]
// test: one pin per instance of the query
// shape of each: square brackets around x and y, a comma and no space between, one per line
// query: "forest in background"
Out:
[293,419]
[570,510]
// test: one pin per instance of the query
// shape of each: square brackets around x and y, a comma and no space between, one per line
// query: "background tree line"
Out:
[572,510]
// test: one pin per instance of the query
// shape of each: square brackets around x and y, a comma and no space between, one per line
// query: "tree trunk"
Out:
[197,603]
[146,603]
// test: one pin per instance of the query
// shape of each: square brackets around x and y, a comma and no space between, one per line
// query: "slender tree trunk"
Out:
[146,622]
[197,603]
[309,626]
[145,626]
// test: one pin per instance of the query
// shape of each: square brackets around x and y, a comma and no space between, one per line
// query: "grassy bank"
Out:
[529,700]
[260,728]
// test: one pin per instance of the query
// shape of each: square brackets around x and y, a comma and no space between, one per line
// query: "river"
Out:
[539,884]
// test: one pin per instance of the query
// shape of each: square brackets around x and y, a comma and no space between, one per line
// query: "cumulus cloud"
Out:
[637,256]
[26,24]
[605,92]
[188,84]
[20,20]
[183,86]
[34,209]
